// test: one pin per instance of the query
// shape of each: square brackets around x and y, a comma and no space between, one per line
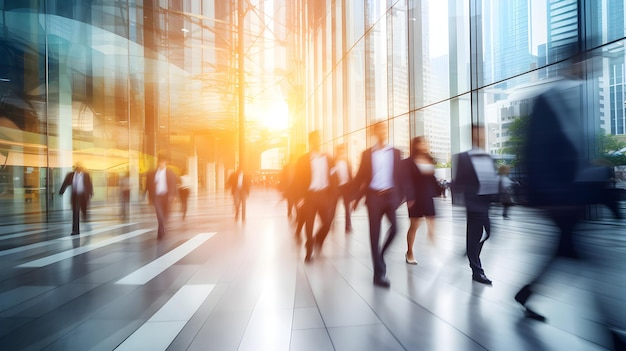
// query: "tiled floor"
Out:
[217,284]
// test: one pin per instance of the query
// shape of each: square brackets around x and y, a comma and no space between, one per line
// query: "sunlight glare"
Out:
[274,115]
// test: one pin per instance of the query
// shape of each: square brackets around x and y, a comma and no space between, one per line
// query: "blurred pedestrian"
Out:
[239,184]
[82,191]
[124,184]
[420,166]
[315,193]
[475,183]
[184,190]
[560,178]
[381,178]
[161,187]
[505,189]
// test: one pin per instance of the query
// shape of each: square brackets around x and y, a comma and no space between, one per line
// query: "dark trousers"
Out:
[317,203]
[79,204]
[345,193]
[161,206]
[239,199]
[476,222]
[505,209]
[125,203]
[565,220]
[184,197]
[377,207]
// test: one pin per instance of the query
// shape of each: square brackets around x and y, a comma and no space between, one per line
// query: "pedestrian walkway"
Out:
[218,284]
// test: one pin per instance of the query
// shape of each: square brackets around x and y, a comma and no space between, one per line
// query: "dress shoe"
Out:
[74,233]
[382,282]
[411,261]
[481,278]
[534,315]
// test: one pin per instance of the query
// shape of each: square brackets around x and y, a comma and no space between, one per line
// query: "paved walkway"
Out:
[217,284]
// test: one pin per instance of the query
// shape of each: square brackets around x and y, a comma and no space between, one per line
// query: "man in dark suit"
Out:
[161,187]
[239,185]
[82,191]
[381,179]
[560,179]
[475,183]
[314,188]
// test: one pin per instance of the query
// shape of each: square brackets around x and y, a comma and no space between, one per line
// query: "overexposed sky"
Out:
[438,27]
[538,24]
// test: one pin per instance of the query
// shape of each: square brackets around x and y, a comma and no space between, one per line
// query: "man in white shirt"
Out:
[82,191]
[161,187]
[315,189]
[381,178]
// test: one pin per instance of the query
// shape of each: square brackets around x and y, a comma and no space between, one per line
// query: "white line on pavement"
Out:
[163,327]
[154,268]
[44,261]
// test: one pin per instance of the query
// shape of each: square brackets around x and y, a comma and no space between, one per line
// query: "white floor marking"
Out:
[163,327]
[50,242]
[44,261]
[156,267]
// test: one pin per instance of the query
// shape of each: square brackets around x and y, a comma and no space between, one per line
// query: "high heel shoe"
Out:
[413,261]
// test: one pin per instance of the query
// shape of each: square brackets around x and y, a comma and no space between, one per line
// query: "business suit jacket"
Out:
[79,201]
[467,185]
[69,180]
[363,178]
[303,176]
[232,183]
[172,188]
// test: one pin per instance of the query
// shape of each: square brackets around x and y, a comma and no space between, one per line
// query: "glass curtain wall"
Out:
[433,68]
[110,84]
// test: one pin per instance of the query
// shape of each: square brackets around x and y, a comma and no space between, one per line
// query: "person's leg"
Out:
[410,240]
[430,222]
[566,222]
[473,233]
[300,221]
[243,207]
[374,217]
[184,196]
[345,197]
[159,207]
[324,205]
[237,203]
[390,212]
[505,210]
[310,211]
[83,199]
[75,215]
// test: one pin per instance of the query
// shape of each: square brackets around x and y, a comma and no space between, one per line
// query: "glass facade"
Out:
[110,84]
[435,67]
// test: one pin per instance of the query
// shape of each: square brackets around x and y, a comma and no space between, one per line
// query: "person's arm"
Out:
[66,183]
[89,184]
